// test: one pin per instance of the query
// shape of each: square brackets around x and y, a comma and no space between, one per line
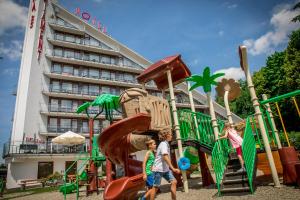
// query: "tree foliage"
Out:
[280,75]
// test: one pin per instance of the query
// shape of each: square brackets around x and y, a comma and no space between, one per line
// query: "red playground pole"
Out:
[93,169]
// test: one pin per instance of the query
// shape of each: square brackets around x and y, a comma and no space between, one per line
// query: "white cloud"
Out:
[232,72]
[12,15]
[13,51]
[232,6]
[282,27]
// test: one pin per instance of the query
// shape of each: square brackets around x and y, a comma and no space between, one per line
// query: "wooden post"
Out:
[213,115]
[264,96]
[228,112]
[254,99]
[177,129]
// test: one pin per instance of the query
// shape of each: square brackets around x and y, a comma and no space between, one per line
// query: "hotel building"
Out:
[66,61]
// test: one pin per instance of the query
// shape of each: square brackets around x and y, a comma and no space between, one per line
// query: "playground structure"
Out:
[144,116]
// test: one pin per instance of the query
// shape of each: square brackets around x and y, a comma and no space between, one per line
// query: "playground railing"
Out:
[197,126]
[249,152]
[219,160]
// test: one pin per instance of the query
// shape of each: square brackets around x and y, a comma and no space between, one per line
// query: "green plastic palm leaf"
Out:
[206,80]
[83,107]
[107,101]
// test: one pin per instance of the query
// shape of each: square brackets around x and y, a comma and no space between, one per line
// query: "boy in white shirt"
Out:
[162,167]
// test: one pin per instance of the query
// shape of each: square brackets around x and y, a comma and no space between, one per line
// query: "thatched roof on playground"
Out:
[158,72]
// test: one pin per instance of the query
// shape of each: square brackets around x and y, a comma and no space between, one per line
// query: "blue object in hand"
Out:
[184,163]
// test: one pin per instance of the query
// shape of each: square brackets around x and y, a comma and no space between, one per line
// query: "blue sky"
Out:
[206,33]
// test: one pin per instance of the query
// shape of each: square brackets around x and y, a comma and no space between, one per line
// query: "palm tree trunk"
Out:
[212,115]
[228,112]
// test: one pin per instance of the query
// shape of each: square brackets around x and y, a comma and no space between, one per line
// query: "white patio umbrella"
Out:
[69,138]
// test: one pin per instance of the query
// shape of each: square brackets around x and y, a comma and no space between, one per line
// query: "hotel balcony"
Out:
[66,28]
[29,149]
[55,110]
[81,45]
[58,130]
[86,78]
[90,63]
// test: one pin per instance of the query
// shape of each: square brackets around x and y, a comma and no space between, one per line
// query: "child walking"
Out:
[163,167]
[236,142]
[147,168]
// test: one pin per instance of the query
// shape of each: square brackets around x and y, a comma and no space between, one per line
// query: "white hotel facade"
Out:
[64,64]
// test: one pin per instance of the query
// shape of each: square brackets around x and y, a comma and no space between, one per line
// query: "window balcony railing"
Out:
[80,41]
[81,129]
[94,76]
[21,148]
[88,58]
[77,91]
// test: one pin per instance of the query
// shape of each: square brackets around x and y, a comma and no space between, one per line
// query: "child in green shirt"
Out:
[147,168]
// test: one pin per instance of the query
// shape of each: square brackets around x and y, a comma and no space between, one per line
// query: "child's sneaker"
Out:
[241,170]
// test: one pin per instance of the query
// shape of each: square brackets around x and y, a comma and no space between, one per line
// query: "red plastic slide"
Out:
[115,143]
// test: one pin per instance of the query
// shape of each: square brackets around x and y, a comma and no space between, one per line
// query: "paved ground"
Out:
[196,192]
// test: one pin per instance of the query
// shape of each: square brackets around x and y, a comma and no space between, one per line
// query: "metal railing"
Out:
[13,148]
[220,157]
[80,129]
[98,77]
[197,126]
[249,152]
[82,41]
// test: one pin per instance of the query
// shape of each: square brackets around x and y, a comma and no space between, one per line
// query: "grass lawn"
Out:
[12,194]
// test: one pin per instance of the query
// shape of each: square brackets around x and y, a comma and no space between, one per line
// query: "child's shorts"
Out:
[239,151]
[150,180]
[168,176]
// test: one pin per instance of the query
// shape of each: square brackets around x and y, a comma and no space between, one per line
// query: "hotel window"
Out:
[105,90]
[85,128]
[52,127]
[66,106]
[94,90]
[58,52]
[66,87]
[59,36]
[86,57]
[87,40]
[69,53]
[56,68]
[94,73]
[113,76]
[54,105]
[65,124]
[119,76]
[84,72]
[60,21]
[74,106]
[68,69]
[94,57]
[76,72]
[78,40]
[44,169]
[74,125]
[55,86]
[105,59]
[70,38]
[105,75]
[113,61]
[75,88]
[94,42]
[128,77]
[113,91]
[96,126]
[77,55]
[85,89]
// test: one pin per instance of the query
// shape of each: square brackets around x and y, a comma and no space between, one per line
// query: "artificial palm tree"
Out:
[206,81]
[108,103]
